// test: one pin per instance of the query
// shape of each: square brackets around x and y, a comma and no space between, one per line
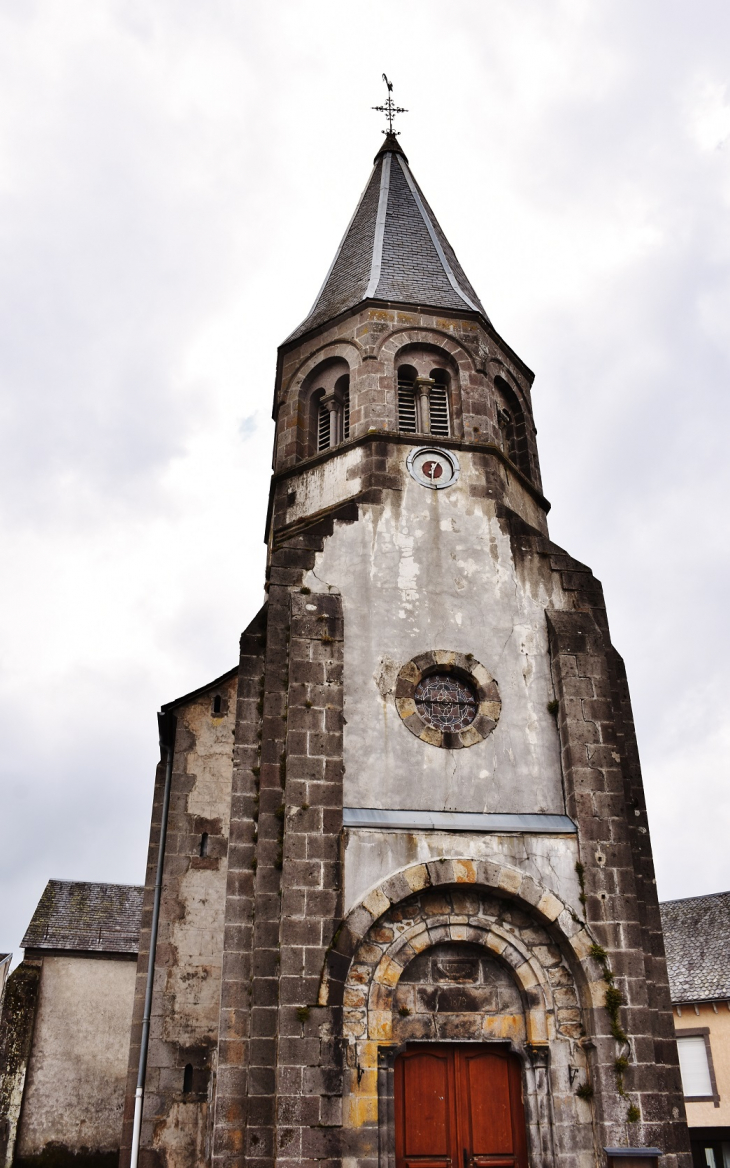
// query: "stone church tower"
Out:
[408,914]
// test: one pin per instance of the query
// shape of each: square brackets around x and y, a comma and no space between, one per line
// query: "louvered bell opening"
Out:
[346,414]
[439,411]
[323,428]
[406,408]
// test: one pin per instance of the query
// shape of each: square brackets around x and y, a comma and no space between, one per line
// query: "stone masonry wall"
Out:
[462,962]
[369,341]
[17,1019]
[176,1126]
[283,871]
[232,1087]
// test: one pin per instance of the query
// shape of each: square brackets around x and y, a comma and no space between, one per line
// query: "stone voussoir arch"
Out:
[503,880]
[343,347]
[375,1020]
[497,368]
[393,342]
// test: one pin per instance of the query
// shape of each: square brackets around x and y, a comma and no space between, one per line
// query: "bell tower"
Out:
[450,834]
[442,942]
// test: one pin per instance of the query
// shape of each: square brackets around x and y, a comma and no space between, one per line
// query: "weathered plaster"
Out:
[211,763]
[79,1055]
[434,570]
[196,936]
[325,485]
[548,859]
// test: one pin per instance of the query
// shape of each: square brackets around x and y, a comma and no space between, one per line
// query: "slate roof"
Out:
[393,249]
[95,918]
[697,941]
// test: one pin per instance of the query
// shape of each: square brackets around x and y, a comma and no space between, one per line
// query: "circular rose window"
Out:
[447,699]
[446,702]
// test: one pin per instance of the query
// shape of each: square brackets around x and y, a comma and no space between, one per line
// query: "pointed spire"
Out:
[393,249]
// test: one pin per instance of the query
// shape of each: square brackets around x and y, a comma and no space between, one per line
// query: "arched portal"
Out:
[465,966]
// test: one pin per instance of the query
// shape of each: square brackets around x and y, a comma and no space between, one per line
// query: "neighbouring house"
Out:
[66,1019]
[697,939]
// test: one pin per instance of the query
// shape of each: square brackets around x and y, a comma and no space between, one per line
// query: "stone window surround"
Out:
[701,1032]
[467,667]
[425,360]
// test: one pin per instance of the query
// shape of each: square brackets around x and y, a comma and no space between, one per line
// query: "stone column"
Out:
[423,390]
[334,405]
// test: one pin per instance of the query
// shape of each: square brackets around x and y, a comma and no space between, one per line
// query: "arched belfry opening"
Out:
[426,401]
[512,426]
[325,406]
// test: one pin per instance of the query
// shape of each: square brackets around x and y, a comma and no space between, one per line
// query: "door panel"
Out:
[459,1107]
[424,1107]
[485,1104]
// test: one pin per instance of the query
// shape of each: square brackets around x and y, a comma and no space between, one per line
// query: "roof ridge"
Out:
[699,896]
[376,262]
[100,883]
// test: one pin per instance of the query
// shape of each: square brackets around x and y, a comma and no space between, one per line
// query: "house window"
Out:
[695,1064]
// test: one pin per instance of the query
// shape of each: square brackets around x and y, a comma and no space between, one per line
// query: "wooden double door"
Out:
[459,1106]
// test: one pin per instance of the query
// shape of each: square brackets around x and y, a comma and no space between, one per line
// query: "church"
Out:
[400,908]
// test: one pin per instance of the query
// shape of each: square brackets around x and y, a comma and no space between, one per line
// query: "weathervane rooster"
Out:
[390,109]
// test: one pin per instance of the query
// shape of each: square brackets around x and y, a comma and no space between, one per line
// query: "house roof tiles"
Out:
[87,917]
[697,942]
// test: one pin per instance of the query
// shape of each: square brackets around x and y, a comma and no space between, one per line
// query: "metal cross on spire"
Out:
[390,109]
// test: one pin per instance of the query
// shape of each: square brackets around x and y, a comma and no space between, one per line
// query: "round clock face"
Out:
[432,467]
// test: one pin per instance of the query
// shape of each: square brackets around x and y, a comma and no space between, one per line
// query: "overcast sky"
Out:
[174,180]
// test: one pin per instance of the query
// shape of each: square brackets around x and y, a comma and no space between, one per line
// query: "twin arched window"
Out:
[423,402]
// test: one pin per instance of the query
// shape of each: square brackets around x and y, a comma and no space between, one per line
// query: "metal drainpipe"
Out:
[167,724]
